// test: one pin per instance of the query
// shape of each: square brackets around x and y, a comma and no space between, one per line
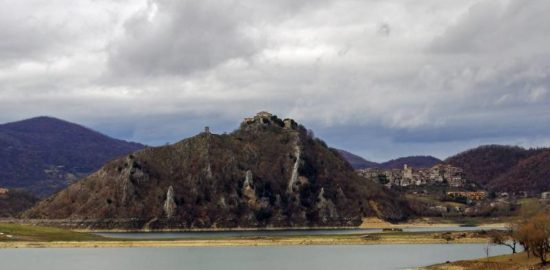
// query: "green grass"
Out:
[20,232]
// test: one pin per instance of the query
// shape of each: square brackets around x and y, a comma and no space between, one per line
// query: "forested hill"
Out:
[45,154]
[503,168]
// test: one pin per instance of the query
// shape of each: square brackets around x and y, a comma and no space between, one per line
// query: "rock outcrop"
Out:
[170,205]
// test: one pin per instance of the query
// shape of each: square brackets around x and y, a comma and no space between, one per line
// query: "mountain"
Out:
[267,173]
[531,174]
[45,154]
[486,163]
[356,161]
[412,161]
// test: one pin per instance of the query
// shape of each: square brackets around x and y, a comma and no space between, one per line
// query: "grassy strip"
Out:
[17,232]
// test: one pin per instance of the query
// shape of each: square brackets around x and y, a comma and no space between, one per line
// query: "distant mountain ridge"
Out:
[44,154]
[358,162]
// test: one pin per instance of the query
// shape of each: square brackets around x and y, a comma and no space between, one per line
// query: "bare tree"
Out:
[534,235]
[504,238]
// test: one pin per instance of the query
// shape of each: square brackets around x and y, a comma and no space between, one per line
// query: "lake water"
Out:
[375,257]
[222,234]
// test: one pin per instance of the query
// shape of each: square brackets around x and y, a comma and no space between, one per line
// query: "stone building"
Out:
[259,118]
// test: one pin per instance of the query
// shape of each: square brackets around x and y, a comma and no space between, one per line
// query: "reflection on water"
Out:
[375,257]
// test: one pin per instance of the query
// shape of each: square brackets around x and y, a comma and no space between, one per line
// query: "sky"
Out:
[380,78]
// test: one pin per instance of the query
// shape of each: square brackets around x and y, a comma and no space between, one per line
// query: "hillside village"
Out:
[440,174]
[444,190]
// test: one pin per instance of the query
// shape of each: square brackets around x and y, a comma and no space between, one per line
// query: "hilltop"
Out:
[411,161]
[44,154]
[268,173]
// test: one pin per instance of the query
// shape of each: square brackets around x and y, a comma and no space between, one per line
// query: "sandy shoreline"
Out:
[365,239]
[225,243]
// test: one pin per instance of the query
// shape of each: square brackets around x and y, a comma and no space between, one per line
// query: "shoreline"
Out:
[368,223]
[256,241]
[25,234]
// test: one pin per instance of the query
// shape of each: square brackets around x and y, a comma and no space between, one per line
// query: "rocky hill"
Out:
[45,154]
[267,173]
[411,161]
[356,161]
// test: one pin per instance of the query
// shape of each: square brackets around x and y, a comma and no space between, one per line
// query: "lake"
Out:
[251,233]
[375,257]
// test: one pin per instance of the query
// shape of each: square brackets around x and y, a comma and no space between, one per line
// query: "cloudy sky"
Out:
[381,78]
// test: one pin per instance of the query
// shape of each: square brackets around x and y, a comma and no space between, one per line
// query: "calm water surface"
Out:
[222,234]
[375,257]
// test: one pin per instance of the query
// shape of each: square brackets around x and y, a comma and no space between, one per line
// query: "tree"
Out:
[521,235]
[534,235]
[539,236]
[504,238]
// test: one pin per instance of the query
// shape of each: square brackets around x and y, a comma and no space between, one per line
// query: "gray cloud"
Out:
[179,37]
[382,78]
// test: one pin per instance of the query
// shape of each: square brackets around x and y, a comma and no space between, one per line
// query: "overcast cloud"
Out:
[379,78]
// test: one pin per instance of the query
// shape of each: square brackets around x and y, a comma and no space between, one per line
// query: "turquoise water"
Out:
[375,257]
